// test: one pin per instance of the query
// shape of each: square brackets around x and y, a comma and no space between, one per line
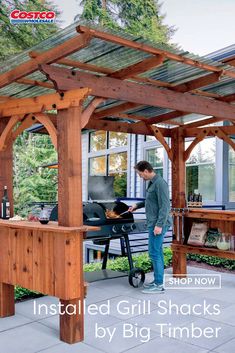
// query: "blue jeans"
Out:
[156,253]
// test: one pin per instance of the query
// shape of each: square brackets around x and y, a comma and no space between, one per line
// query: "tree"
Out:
[15,38]
[137,17]
[31,183]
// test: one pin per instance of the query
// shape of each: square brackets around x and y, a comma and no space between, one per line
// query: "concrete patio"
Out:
[29,332]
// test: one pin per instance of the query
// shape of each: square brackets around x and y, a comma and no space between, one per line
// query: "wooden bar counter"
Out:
[43,258]
[222,219]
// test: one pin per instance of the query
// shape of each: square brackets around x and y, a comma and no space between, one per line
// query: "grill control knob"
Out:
[133,227]
[114,229]
[124,228]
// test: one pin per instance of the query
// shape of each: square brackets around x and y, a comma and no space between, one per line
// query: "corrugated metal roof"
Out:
[110,55]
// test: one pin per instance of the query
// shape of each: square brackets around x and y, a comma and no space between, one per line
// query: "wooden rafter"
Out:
[203,122]
[26,81]
[139,118]
[163,118]
[64,79]
[42,103]
[157,133]
[138,68]
[102,113]
[148,49]
[70,46]
[117,126]
[77,64]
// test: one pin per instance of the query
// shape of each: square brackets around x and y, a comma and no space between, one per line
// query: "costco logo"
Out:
[26,17]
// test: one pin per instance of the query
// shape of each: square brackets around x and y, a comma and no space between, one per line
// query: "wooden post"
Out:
[178,196]
[7,304]
[70,210]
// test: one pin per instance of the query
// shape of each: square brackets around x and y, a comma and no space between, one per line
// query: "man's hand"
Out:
[157,230]
[132,208]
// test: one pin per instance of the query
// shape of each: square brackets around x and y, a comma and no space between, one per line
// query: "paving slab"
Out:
[136,330]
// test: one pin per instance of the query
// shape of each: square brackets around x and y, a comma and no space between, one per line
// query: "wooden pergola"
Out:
[131,94]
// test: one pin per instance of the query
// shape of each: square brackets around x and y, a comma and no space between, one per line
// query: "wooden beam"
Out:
[165,117]
[25,81]
[138,68]
[108,87]
[197,83]
[22,106]
[229,98]
[140,129]
[192,132]
[103,113]
[184,87]
[70,46]
[203,122]
[152,50]
[77,64]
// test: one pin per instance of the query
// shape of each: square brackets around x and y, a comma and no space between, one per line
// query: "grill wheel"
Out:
[136,277]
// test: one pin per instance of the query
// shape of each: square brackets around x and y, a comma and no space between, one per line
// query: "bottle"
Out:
[5,209]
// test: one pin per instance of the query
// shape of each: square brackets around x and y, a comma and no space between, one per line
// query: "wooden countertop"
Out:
[50,227]
[207,213]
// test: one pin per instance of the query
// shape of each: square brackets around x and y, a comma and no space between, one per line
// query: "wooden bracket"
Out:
[6,134]
[39,104]
[201,135]
[49,126]
[157,133]
[10,134]
[215,131]
[220,134]
[88,111]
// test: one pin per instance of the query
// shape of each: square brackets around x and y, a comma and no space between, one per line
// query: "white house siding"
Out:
[85,171]
[137,151]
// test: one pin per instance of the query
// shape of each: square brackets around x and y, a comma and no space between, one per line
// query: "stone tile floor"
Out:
[154,325]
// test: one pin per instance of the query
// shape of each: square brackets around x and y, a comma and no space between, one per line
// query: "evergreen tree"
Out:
[137,17]
[15,38]
[31,183]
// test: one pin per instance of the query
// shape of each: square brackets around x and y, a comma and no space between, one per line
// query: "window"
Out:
[200,169]
[110,164]
[118,169]
[155,158]
[98,166]
[231,160]
[117,139]
[98,141]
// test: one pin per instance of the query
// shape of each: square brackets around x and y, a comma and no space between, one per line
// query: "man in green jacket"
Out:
[157,209]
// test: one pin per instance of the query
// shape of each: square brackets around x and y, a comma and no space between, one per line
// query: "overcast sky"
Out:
[203,26]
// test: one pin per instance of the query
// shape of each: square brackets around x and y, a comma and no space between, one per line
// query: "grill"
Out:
[115,222]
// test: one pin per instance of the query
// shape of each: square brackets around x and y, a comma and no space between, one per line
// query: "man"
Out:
[157,208]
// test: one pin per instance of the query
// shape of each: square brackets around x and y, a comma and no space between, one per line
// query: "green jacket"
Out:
[157,203]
